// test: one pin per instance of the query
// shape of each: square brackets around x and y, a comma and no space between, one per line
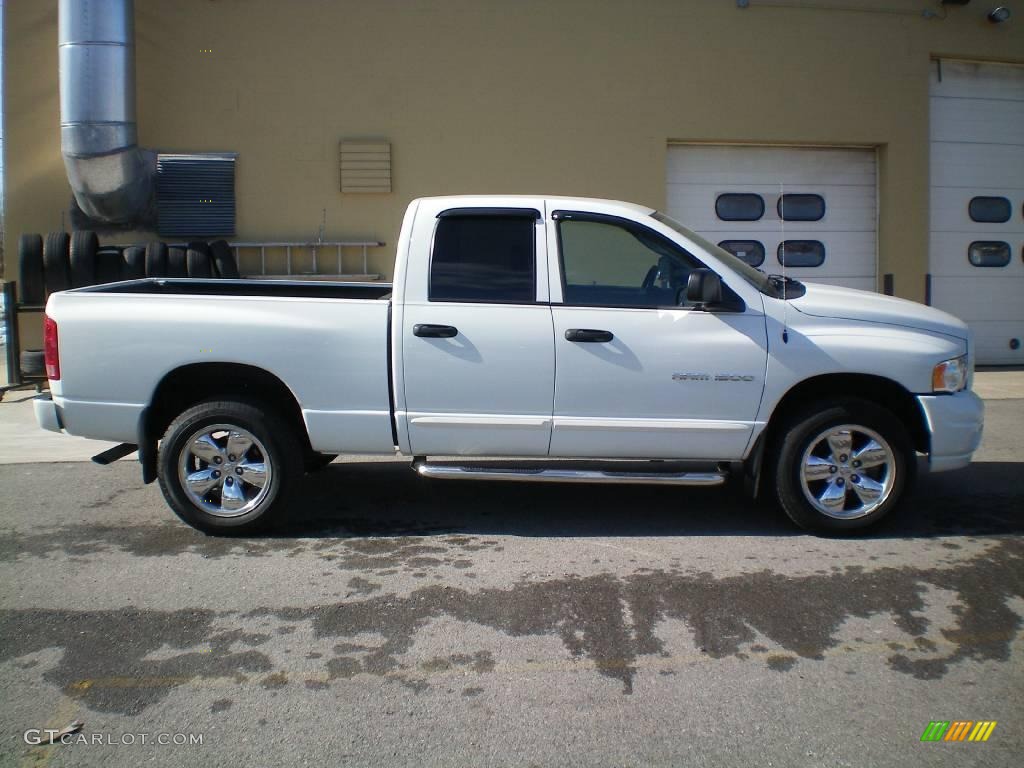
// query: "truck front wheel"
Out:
[227,466]
[842,465]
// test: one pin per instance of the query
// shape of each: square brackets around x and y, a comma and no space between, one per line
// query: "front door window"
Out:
[611,264]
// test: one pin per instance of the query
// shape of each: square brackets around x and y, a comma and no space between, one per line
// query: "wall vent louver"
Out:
[196,194]
[365,166]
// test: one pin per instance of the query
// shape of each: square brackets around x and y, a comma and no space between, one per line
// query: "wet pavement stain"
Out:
[380,556]
[343,667]
[479,662]
[800,614]
[162,540]
[221,705]
[361,586]
[612,622]
[780,662]
[274,680]
[105,664]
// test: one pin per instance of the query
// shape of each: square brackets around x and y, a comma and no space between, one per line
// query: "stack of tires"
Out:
[62,261]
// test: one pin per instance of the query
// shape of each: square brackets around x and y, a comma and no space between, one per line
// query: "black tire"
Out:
[224,260]
[281,449]
[108,265]
[133,263]
[156,260]
[318,461]
[82,256]
[30,269]
[799,435]
[56,268]
[177,264]
[198,260]
[32,363]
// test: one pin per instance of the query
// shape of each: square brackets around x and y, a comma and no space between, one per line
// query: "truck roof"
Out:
[560,200]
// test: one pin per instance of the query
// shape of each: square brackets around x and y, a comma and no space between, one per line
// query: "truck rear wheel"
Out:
[227,466]
[842,465]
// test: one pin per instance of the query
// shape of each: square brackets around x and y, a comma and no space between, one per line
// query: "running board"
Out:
[454,472]
[111,455]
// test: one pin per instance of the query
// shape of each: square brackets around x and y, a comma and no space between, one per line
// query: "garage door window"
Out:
[750,251]
[801,253]
[801,207]
[989,210]
[739,207]
[483,258]
[989,253]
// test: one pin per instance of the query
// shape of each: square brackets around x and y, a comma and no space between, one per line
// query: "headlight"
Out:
[950,375]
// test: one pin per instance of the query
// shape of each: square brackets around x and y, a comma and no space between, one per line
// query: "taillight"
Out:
[51,353]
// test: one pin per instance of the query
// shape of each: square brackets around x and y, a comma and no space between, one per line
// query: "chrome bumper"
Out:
[47,413]
[955,423]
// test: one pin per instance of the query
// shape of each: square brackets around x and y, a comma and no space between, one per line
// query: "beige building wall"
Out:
[482,96]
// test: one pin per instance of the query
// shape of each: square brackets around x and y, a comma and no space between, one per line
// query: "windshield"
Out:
[755,277]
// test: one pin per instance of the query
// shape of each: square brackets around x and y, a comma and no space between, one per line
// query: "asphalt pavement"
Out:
[403,622]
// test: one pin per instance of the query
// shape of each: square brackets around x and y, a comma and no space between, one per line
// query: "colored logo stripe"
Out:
[958,730]
[982,730]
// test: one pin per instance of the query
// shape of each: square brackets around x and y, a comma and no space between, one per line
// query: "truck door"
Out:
[638,375]
[477,348]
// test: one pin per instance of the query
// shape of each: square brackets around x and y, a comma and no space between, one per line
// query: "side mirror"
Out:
[704,287]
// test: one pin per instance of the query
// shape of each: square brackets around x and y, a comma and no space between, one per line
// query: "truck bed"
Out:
[327,342]
[198,287]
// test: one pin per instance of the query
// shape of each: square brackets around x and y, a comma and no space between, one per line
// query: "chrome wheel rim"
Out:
[224,470]
[848,471]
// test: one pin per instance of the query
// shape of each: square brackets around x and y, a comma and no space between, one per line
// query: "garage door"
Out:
[810,208]
[977,203]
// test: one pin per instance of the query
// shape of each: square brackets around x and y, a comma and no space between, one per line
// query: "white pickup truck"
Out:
[531,329]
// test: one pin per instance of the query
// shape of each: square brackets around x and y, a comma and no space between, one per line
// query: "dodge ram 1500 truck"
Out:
[536,329]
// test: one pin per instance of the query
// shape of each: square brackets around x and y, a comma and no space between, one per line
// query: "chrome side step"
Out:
[456,472]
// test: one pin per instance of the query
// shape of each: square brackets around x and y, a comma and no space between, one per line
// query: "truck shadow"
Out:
[387,499]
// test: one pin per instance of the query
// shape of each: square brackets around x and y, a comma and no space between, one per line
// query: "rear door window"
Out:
[484,258]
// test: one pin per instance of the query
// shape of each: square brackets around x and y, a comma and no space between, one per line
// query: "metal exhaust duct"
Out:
[111,177]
